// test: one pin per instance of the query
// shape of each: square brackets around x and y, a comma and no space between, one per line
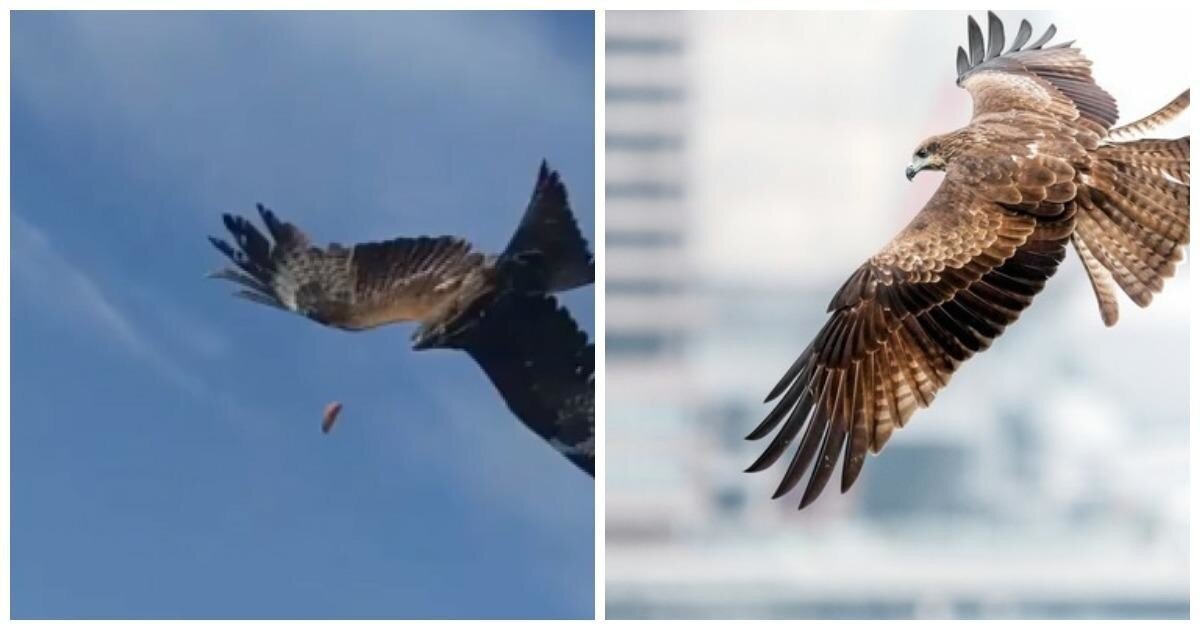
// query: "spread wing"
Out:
[543,366]
[1056,80]
[947,285]
[367,285]
[548,228]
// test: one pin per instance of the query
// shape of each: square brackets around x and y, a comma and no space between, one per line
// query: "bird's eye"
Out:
[922,153]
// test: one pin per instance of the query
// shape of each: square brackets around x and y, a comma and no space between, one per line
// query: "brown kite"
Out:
[498,309]
[1040,167]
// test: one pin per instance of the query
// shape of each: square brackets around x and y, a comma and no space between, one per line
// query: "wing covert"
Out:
[1056,79]
[946,286]
[367,285]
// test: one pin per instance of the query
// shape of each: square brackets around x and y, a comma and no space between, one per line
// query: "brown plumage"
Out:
[371,284]
[1036,168]
[499,309]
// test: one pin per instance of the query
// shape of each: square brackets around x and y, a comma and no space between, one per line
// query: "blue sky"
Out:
[166,453]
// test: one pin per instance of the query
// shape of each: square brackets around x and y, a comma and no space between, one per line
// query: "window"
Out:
[642,94]
[642,286]
[639,343]
[649,239]
[628,44]
[643,142]
[646,189]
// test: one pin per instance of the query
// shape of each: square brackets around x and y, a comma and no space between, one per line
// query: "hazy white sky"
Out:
[803,123]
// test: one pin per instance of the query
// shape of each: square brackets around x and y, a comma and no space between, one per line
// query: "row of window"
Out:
[646,45]
[643,239]
[643,141]
[642,94]
[643,189]
[642,286]
[629,343]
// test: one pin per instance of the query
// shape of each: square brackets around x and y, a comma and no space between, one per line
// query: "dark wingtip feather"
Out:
[274,225]
[1044,38]
[779,387]
[255,251]
[974,40]
[810,495]
[763,429]
[790,375]
[753,468]
[231,223]
[963,63]
[783,408]
[1023,34]
[995,36]
[852,466]
[764,461]
[826,462]
[848,479]
[780,491]
[791,478]
[223,247]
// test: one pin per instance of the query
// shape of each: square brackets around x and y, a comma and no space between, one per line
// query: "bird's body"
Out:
[1039,167]
[460,298]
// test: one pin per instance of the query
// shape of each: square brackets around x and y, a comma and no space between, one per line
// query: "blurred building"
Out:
[647,276]
[750,161]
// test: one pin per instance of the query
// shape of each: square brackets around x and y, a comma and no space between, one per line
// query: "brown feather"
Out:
[1033,170]
[1164,115]
[1101,280]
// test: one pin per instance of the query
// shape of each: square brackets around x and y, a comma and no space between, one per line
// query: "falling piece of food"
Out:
[331,413]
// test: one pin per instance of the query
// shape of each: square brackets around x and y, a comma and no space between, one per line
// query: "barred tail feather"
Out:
[1166,114]
[1134,217]
[1101,278]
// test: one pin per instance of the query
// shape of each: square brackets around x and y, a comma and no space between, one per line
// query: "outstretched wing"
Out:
[367,285]
[1056,80]
[543,366]
[947,285]
[548,231]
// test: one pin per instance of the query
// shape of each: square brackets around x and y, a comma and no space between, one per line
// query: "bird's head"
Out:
[931,155]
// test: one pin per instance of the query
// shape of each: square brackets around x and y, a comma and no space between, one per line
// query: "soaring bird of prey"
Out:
[1039,167]
[499,309]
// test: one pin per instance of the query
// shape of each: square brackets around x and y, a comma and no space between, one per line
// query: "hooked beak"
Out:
[423,339]
[916,166]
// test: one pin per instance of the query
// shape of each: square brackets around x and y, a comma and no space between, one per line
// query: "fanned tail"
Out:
[1134,214]
[1166,114]
[549,240]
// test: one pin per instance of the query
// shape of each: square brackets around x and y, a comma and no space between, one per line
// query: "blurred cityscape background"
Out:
[753,161]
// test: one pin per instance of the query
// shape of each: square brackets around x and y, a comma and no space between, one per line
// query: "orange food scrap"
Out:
[331,414]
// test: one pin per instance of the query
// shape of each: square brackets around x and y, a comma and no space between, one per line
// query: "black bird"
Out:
[499,309]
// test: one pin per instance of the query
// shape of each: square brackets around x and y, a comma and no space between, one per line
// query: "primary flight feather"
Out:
[1039,167]
[499,309]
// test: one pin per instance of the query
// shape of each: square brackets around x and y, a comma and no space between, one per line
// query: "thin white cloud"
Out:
[185,331]
[60,286]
